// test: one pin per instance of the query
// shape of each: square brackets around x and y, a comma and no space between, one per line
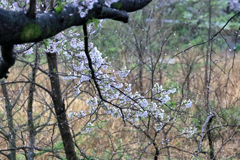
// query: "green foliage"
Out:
[1,114]
[46,42]
[20,157]
[193,22]
[95,21]
[238,47]
[58,9]
[108,42]
[117,5]
[60,6]
[231,115]
[127,157]
[41,152]
[198,122]
[58,146]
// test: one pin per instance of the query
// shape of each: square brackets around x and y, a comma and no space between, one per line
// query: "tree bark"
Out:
[32,9]
[208,78]
[18,27]
[7,60]
[31,128]
[12,131]
[60,108]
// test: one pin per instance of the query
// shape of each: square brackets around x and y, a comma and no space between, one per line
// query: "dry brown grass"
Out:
[108,136]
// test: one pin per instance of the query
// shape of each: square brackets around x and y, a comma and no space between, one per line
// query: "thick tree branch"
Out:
[8,60]
[18,28]
[130,5]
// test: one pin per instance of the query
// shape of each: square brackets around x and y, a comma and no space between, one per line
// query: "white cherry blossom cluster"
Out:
[189,131]
[89,127]
[118,100]
[54,45]
[3,4]
[88,5]
[29,51]
[91,28]
[123,72]
[76,43]
[134,105]
[73,114]
[187,104]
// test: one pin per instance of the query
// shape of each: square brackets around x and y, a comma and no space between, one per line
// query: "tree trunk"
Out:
[141,73]
[12,131]
[60,108]
[31,128]
[208,78]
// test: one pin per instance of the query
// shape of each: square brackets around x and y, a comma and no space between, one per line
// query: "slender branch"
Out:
[51,4]
[90,65]
[32,9]
[207,122]
[45,89]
